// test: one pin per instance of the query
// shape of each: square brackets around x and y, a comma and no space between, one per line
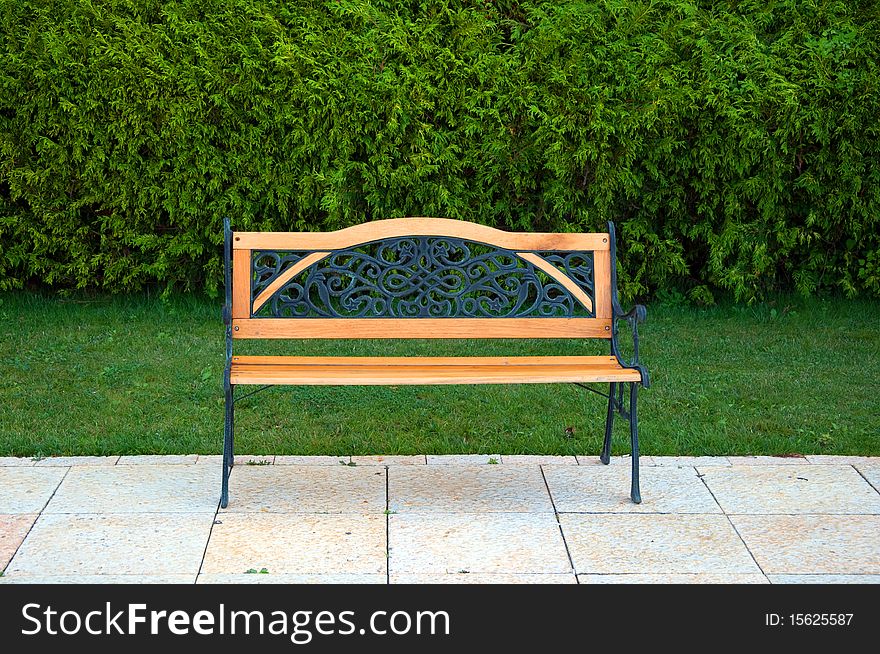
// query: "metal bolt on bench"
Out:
[427,278]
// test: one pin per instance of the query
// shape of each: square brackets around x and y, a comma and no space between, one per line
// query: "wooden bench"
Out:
[427,278]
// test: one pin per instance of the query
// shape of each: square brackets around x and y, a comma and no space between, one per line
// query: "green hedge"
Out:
[735,143]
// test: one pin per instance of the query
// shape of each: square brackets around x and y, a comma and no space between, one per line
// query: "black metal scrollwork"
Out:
[422,277]
[577,266]
[269,264]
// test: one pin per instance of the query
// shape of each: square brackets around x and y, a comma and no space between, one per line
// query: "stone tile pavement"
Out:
[434,519]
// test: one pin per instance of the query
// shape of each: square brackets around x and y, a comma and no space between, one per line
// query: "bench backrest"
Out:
[419,278]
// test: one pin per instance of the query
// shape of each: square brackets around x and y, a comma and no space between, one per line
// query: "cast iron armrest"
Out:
[634,316]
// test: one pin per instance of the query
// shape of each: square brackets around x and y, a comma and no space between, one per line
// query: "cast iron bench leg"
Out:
[228,446]
[609,425]
[634,438]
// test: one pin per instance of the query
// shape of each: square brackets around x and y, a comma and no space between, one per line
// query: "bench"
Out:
[428,278]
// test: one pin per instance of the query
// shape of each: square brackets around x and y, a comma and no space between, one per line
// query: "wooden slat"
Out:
[432,380]
[285,276]
[397,227]
[602,283]
[445,370]
[554,272]
[422,328]
[406,375]
[252,360]
[241,283]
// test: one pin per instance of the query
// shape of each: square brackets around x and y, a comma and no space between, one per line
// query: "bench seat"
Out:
[379,371]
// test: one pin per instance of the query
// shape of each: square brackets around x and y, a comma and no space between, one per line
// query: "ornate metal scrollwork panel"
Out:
[267,265]
[422,277]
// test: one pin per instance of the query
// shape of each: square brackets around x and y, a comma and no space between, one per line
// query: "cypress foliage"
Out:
[735,143]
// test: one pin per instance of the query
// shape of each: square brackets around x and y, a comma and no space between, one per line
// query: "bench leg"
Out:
[635,494]
[228,446]
[609,425]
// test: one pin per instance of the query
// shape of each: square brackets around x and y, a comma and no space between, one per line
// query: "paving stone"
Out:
[483,578]
[26,490]
[288,460]
[13,529]
[834,460]
[157,459]
[672,578]
[476,543]
[591,489]
[462,459]
[871,472]
[16,461]
[136,544]
[812,544]
[537,459]
[791,489]
[297,544]
[307,489]
[210,459]
[619,460]
[824,579]
[77,461]
[390,460]
[463,489]
[692,461]
[138,489]
[766,460]
[655,544]
[98,579]
[292,579]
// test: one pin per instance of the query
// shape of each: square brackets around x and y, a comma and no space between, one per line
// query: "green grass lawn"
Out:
[139,376]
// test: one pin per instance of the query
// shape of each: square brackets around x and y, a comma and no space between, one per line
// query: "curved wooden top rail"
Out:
[401,227]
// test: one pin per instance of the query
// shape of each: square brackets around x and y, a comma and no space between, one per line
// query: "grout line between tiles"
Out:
[208,542]
[33,524]
[559,524]
[824,574]
[733,526]
[135,512]
[865,478]
[484,513]
[722,512]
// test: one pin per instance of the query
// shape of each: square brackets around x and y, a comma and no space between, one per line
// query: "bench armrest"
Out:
[634,316]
